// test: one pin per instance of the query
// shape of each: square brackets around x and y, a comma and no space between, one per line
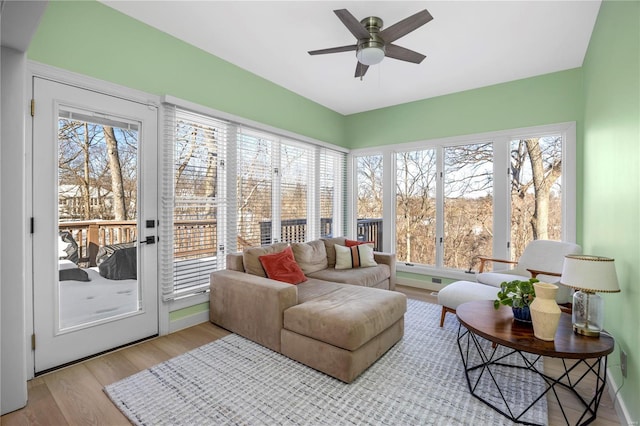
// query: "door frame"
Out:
[35,69]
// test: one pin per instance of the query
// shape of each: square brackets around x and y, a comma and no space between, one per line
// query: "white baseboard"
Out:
[189,321]
[425,285]
[618,402]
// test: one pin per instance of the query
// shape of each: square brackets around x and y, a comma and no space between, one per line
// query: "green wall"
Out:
[611,201]
[92,39]
[546,99]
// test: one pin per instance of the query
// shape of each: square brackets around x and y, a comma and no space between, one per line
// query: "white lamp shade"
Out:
[370,55]
[590,273]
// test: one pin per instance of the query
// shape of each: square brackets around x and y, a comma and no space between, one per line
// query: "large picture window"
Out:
[416,175]
[536,191]
[468,203]
[457,198]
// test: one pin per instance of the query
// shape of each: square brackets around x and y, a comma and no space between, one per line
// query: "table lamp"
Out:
[589,275]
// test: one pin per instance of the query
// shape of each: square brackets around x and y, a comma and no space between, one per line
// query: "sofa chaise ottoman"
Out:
[334,327]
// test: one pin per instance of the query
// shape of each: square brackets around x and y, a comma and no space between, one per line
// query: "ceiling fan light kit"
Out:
[373,45]
[370,53]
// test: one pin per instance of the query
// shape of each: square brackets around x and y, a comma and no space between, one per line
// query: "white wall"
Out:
[13,233]
[19,20]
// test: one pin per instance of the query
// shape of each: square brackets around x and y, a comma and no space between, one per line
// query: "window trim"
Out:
[501,199]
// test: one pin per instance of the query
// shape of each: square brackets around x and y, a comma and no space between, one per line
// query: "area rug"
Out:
[234,381]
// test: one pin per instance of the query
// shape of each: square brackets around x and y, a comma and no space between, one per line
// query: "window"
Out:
[227,186]
[536,191]
[468,203]
[369,202]
[194,193]
[331,200]
[255,189]
[416,206]
[454,199]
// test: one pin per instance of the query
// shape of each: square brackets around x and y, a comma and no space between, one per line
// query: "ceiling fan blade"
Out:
[403,54]
[405,26]
[352,24]
[334,50]
[361,70]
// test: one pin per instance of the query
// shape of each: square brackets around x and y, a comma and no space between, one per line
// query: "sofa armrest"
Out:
[387,259]
[250,306]
[235,262]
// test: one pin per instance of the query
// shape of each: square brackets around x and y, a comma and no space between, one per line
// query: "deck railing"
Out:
[91,235]
[294,230]
[198,238]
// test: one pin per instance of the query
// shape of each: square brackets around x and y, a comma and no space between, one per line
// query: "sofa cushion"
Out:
[351,243]
[331,251]
[366,277]
[282,266]
[311,256]
[250,257]
[357,256]
[347,317]
[314,287]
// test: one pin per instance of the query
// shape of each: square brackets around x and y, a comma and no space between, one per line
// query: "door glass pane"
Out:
[416,206]
[97,217]
[369,208]
[468,203]
[536,191]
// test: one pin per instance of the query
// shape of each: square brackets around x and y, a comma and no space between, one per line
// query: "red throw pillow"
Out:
[282,266]
[352,243]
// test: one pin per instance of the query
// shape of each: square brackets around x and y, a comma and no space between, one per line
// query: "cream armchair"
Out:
[542,259]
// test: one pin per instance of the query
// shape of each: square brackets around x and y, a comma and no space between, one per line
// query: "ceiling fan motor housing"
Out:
[371,50]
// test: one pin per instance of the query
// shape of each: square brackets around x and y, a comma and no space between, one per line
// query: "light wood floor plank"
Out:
[74,395]
[145,355]
[41,409]
[111,367]
[81,399]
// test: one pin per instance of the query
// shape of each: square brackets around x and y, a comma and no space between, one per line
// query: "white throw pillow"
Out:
[354,257]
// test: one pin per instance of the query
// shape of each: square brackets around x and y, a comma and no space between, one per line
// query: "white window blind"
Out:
[295,175]
[255,173]
[193,190]
[332,175]
[226,187]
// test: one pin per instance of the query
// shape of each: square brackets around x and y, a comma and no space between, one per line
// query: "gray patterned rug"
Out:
[234,381]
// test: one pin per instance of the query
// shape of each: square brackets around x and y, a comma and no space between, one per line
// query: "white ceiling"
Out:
[469,44]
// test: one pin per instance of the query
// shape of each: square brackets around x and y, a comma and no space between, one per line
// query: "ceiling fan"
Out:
[374,43]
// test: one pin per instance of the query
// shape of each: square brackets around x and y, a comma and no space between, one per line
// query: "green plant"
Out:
[516,294]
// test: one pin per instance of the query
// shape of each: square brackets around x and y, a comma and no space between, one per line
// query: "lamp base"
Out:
[585,330]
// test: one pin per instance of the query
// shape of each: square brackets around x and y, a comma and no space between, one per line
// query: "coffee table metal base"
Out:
[480,360]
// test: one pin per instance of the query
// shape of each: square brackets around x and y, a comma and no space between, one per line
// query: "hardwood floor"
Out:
[74,396]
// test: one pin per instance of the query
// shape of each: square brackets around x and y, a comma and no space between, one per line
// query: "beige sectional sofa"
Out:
[337,321]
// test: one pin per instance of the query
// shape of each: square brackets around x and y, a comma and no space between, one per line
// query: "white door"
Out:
[94,222]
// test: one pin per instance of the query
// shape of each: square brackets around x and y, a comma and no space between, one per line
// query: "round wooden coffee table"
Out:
[511,344]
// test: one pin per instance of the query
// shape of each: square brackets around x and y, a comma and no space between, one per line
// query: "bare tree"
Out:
[117,187]
[415,206]
[543,180]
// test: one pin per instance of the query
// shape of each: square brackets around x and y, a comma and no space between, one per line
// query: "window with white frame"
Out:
[416,181]
[369,201]
[456,198]
[227,186]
